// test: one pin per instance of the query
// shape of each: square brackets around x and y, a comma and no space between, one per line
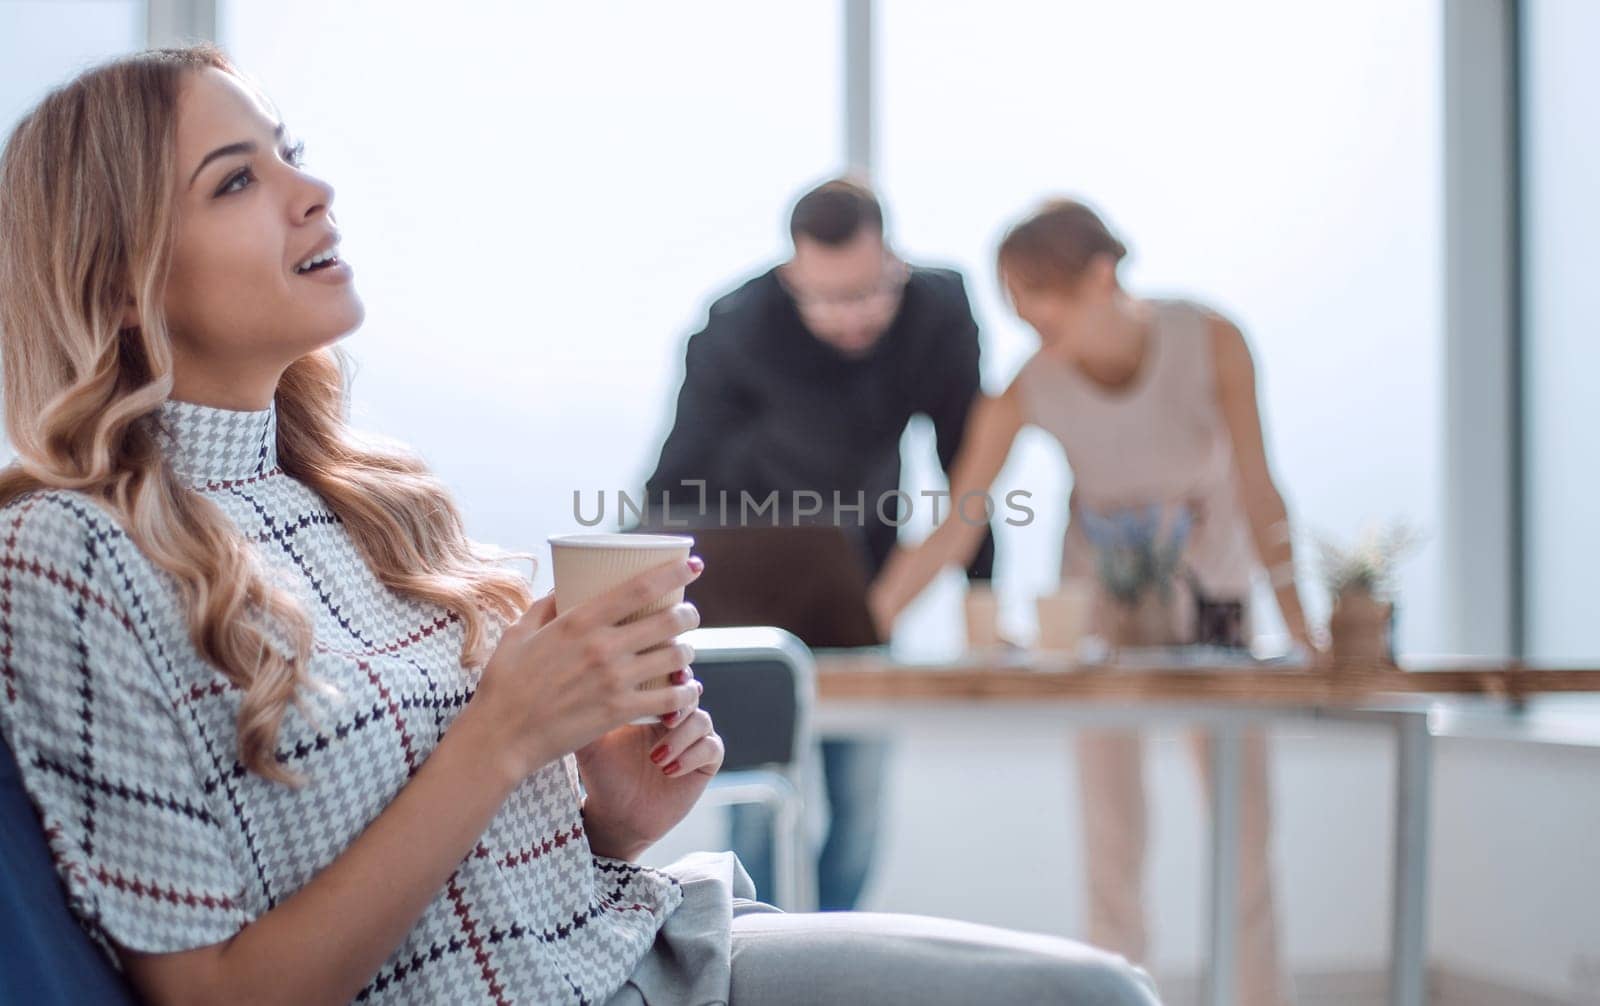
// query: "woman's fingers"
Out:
[678,739]
[661,701]
[704,755]
[536,617]
[653,630]
[639,592]
[659,663]
[678,678]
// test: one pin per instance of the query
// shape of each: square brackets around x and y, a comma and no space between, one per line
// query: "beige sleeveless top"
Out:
[1159,440]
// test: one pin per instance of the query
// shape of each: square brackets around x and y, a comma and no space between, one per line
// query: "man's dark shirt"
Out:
[767,406]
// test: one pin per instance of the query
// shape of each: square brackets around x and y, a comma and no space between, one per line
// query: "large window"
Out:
[539,201]
[44,42]
[1279,161]
[1561,215]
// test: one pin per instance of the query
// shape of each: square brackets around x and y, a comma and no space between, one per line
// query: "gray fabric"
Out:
[689,963]
[910,960]
[720,949]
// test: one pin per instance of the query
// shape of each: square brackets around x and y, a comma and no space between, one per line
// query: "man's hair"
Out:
[835,211]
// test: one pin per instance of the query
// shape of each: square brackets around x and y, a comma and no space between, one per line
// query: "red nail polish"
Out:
[696,564]
[669,719]
[670,769]
[658,754]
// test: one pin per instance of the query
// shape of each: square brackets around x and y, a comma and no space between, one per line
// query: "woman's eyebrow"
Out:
[242,147]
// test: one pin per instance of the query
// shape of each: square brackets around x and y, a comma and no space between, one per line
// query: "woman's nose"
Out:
[316,197]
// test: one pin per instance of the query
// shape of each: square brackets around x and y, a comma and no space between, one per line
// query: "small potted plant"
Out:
[1138,556]
[1361,581]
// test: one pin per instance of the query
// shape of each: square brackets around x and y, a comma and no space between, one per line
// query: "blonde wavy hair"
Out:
[87,186]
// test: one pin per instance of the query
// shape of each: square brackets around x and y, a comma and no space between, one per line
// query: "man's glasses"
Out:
[884,292]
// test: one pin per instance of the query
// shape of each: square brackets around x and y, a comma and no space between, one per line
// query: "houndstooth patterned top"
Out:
[127,744]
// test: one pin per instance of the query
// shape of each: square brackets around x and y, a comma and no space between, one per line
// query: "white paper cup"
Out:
[587,565]
[1064,616]
[982,611]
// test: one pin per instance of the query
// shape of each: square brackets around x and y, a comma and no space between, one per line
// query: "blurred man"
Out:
[803,380]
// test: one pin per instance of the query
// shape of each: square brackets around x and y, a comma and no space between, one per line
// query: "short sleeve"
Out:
[100,743]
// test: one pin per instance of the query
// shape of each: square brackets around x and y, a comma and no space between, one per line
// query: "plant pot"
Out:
[1150,620]
[1359,628]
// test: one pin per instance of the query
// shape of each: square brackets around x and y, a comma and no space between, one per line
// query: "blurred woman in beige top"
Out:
[1154,403]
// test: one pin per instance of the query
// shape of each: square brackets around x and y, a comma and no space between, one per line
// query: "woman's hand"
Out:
[1318,655]
[642,779]
[558,683]
[992,427]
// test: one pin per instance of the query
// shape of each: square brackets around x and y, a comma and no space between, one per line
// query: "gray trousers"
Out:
[722,949]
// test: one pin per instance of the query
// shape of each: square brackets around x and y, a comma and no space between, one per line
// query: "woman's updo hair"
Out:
[1053,246]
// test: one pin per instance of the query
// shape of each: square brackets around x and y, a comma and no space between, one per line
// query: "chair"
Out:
[760,684]
[46,957]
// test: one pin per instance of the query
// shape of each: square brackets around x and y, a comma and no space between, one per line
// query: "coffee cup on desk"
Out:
[1064,616]
[982,611]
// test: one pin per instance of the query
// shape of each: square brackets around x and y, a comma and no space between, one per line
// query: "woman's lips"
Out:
[338,272]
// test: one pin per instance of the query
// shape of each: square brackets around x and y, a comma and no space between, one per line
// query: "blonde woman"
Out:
[292,737]
[1154,403]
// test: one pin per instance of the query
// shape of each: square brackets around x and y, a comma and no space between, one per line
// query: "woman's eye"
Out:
[235,183]
[293,155]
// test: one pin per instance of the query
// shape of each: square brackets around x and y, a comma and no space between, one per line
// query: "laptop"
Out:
[810,580]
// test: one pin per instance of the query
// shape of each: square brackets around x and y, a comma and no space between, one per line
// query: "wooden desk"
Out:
[867,689]
[845,676]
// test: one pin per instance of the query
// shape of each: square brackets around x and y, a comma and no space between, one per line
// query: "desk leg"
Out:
[1226,783]
[1413,794]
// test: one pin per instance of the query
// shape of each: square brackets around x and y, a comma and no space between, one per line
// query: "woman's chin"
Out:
[332,326]
[347,318]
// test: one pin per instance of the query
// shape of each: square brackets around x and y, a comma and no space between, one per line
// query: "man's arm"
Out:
[956,388]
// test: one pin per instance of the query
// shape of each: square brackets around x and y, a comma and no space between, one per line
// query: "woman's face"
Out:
[1070,320]
[240,302]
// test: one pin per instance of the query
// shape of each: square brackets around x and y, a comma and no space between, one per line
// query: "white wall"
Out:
[1516,866]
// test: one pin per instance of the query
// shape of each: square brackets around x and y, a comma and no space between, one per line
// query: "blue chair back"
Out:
[46,958]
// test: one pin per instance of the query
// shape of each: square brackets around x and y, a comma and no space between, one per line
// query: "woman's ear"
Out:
[1100,273]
